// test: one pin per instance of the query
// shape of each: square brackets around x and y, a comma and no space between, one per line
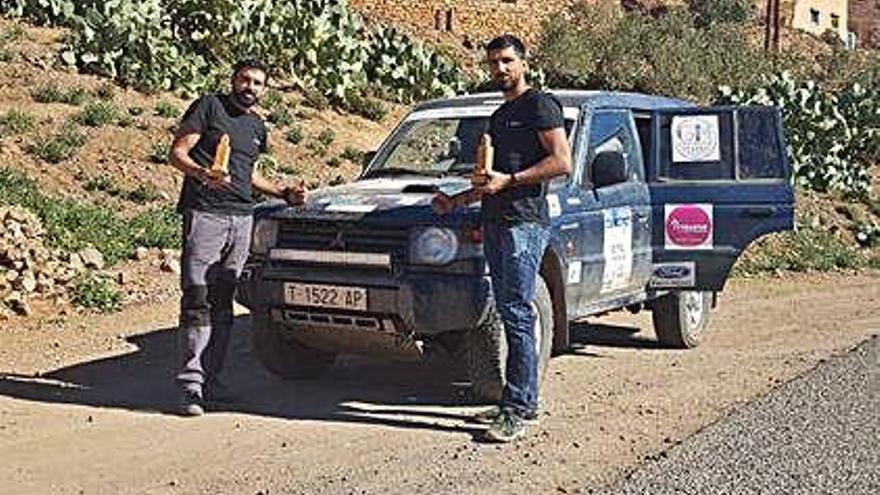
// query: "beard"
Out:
[504,83]
[245,98]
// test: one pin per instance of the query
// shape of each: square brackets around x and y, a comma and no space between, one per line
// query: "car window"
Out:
[612,130]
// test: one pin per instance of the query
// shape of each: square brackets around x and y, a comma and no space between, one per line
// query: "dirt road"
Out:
[85,408]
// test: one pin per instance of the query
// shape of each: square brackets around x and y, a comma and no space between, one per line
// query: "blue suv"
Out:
[663,198]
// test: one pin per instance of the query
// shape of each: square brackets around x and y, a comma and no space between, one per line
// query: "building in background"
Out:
[864,22]
[818,16]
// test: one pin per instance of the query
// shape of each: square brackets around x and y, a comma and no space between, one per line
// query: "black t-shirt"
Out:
[514,129]
[212,116]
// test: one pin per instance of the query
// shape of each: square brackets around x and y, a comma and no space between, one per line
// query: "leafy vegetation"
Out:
[62,146]
[833,138]
[72,225]
[16,122]
[99,114]
[190,44]
[804,249]
[51,93]
[96,291]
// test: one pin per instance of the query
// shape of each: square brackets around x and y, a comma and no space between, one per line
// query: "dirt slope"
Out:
[85,409]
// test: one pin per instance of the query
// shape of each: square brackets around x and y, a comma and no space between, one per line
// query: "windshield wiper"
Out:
[395,171]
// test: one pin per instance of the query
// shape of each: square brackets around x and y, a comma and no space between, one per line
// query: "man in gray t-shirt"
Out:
[216,146]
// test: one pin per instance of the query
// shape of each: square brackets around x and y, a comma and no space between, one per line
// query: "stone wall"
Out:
[864,20]
[470,23]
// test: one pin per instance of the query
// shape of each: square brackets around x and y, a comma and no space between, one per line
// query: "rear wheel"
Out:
[487,347]
[680,318]
[283,355]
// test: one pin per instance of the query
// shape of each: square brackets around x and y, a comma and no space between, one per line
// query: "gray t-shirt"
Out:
[212,116]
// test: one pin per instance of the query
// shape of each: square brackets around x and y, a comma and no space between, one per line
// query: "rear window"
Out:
[726,143]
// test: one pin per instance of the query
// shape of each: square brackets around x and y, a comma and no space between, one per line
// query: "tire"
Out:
[283,356]
[680,318]
[487,348]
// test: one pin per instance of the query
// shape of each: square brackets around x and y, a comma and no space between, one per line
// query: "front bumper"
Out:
[416,304]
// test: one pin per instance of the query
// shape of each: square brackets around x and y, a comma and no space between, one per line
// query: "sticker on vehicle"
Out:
[689,227]
[668,275]
[695,139]
[617,249]
[553,205]
[575,270]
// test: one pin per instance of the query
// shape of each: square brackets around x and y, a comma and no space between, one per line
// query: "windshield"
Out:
[434,146]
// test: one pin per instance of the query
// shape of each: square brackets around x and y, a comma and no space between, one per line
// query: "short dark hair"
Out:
[507,41]
[250,63]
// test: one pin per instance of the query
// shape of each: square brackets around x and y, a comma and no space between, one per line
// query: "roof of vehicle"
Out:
[568,98]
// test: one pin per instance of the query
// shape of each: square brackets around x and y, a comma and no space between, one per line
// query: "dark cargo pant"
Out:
[215,248]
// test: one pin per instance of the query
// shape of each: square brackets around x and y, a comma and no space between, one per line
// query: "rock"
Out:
[75,261]
[12,276]
[16,302]
[92,258]
[28,282]
[140,253]
[171,265]
[168,254]
[123,278]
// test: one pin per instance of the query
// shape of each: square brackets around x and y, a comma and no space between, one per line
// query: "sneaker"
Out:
[507,427]
[191,404]
[488,416]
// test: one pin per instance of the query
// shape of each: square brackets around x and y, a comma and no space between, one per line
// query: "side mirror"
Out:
[609,168]
[368,157]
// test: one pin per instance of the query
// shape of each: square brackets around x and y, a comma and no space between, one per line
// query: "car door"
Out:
[719,178]
[624,203]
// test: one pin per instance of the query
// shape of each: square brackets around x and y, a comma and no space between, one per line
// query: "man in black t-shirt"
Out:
[531,148]
[216,202]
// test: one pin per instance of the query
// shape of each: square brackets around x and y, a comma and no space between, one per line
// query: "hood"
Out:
[379,199]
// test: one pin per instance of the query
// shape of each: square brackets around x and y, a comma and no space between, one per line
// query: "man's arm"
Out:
[293,195]
[183,143]
[557,163]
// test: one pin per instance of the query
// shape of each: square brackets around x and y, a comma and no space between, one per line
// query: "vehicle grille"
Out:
[339,236]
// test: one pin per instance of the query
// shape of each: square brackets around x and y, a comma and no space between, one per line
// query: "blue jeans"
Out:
[514,254]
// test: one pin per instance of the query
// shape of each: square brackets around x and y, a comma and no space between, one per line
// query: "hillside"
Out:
[120,166]
[115,166]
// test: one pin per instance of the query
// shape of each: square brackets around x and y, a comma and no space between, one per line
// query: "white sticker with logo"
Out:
[553,205]
[695,139]
[689,227]
[669,275]
[617,249]
[575,270]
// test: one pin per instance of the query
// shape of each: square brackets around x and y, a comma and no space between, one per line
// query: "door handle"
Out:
[761,211]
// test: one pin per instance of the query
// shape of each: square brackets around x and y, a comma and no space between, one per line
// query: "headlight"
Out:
[433,246]
[265,236]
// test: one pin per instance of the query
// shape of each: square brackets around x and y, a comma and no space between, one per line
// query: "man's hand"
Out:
[442,204]
[491,182]
[295,195]
[214,179]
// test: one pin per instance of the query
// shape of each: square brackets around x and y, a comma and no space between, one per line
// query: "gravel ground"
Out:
[819,433]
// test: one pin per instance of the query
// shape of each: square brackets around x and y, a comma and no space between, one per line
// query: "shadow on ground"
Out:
[403,395]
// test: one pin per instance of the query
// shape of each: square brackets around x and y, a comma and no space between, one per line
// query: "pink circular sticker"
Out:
[688,226]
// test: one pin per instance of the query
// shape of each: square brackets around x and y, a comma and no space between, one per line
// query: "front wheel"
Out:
[487,347]
[282,355]
[680,318]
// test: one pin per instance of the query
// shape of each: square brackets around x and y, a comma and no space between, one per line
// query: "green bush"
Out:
[319,44]
[294,135]
[102,183]
[281,116]
[166,109]
[16,122]
[365,106]
[804,249]
[600,47]
[160,152]
[98,114]
[96,291]
[353,154]
[72,226]
[62,146]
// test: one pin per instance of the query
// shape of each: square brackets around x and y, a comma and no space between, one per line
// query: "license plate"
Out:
[326,296]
